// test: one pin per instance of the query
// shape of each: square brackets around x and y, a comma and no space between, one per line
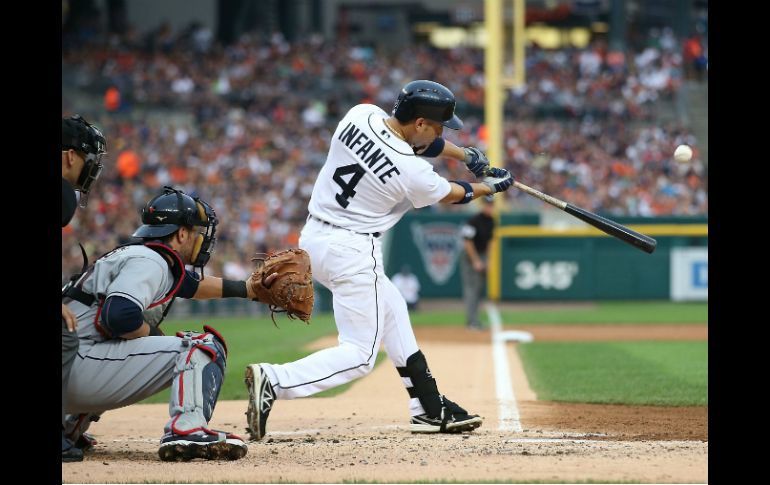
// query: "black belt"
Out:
[375,234]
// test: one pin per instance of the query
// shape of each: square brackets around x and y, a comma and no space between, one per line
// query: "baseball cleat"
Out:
[70,452]
[453,419]
[86,441]
[425,424]
[261,399]
[200,444]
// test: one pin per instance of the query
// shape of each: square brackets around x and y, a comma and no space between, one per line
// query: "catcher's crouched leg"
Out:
[198,377]
[441,415]
[75,426]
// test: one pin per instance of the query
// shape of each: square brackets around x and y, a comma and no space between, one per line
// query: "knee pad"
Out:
[421,383]
[198,377]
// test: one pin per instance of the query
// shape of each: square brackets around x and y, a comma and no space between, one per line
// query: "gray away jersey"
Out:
[136,273]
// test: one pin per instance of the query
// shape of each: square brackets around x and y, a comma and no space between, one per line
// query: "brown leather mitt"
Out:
[292,290]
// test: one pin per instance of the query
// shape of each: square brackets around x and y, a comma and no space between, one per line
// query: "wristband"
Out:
[234,289]
[468,191]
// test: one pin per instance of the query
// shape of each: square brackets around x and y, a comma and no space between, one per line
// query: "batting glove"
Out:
[498,179]
[476,161]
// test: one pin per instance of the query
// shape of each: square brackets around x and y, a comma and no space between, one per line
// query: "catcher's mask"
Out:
[78,134]
[164,214]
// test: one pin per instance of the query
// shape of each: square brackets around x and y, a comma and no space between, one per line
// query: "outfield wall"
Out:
[577,263]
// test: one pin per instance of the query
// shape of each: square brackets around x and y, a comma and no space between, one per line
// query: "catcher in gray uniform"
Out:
[124,357]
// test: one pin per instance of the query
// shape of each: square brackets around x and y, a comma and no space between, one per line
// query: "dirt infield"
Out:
[362,435]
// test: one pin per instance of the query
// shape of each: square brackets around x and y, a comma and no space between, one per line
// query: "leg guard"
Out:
[441,414]
[423,385]
[199,374]
[198,377]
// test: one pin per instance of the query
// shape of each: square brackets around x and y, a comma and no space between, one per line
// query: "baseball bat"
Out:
[639,241]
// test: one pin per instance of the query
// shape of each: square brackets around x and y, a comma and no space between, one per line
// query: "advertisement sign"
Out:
[689,274]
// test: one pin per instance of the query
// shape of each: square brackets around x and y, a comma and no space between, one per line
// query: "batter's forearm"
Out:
[457,192]
[453,151]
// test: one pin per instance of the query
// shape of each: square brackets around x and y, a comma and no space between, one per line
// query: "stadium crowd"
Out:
[250,123]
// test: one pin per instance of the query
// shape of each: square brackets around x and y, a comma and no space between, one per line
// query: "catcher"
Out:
[123,297]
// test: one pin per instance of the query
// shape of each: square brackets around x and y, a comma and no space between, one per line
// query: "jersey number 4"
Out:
[357,172]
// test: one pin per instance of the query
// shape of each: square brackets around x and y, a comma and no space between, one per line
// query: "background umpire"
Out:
[476,233]
[82,148]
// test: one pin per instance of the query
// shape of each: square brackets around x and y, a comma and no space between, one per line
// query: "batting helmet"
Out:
[80,135]
[427,99]
[167,212]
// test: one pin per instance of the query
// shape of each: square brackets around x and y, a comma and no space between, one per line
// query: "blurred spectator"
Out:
[128,164]
[112,99]
[695,60]
[248,124]
[408,285]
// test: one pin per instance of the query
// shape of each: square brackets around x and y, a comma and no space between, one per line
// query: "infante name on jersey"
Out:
[352,136]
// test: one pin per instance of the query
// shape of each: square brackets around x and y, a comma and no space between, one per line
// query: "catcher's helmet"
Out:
[80,135]
[165,213]
[427,99]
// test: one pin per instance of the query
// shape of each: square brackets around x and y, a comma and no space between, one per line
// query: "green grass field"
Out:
[612,312]
[615,312]
[643,373]
[680,372]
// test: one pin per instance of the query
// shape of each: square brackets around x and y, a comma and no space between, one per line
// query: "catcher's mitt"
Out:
[292,289]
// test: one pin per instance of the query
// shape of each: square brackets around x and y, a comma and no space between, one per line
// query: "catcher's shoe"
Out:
[261,399]
[453,419]
[209,445]
[86,441]
[70,452]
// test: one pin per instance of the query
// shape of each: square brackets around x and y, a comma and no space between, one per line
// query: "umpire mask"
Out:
[78,134]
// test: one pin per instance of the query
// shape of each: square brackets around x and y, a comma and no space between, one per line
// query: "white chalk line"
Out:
[508,410]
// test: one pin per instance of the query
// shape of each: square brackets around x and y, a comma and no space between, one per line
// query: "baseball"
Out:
[683,153]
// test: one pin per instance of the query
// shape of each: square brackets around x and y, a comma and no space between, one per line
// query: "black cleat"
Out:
[453,419]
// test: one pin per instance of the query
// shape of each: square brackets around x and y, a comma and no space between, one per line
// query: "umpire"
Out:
[476,233]
[82,149]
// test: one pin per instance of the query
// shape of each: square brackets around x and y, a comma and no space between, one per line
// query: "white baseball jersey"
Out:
[372,177]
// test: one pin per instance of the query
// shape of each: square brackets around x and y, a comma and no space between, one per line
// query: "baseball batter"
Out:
[374,173]
[124,357]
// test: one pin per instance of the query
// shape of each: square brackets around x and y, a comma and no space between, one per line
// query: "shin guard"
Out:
[423,385]
[199,374]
